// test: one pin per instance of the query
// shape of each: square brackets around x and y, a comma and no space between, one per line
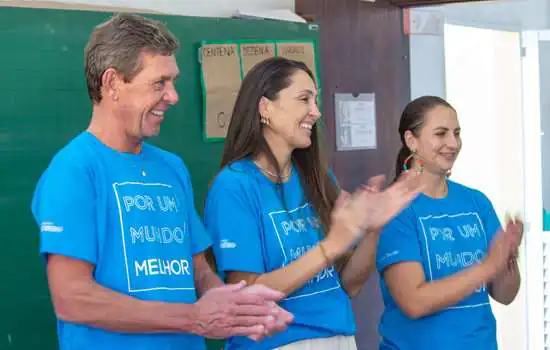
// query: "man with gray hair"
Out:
[123,242]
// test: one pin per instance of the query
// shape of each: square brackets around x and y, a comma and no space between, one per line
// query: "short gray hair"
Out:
[118,43]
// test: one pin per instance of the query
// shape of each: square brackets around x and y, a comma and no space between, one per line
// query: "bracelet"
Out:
[324,252]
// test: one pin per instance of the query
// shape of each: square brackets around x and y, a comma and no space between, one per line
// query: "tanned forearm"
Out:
[360,265]
[425,298]
[205,278]
[291,277]
[91,304]
[79,299]
[505,286]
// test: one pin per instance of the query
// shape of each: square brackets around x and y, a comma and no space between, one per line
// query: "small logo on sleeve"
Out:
[227,244]
[47,226]
[389,255]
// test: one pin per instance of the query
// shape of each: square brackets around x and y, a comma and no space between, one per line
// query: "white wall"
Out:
[427,64]
[208,8]
[544,51]
[500,14]
[426,52]
[483,70]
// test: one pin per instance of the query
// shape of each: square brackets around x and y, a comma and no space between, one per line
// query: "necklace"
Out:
[446,191]
[280,177]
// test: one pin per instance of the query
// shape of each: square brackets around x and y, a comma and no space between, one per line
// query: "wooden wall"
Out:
[363,49]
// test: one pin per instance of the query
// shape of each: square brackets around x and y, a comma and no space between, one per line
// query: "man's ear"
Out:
[111,82]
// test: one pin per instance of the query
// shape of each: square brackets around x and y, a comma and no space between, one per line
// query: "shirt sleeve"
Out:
[232,220]
[63,206]
[398,242]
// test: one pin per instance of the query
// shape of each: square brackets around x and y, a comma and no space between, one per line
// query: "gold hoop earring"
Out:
[414,155]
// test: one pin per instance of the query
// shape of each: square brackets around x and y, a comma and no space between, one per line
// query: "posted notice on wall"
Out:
[252,54]
[223,67]
[304,52]
[221,79]
[355,121]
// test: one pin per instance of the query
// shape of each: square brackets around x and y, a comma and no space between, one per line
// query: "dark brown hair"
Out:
[412,119]
[245,137]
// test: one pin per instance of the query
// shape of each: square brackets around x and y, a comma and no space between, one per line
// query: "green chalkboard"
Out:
[44,104]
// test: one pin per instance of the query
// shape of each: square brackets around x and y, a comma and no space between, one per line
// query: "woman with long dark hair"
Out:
[277,217]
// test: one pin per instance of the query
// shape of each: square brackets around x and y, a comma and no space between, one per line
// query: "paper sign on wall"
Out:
[252,54]
[355,121]
[221,82]
[223,66]
[304,52]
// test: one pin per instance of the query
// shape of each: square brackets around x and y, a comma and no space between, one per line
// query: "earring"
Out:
[419,162]
[264,120]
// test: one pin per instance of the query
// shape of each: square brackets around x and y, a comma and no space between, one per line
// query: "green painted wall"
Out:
[44,103]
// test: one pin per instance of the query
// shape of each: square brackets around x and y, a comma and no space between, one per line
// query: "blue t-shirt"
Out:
[446,236]
[130,215]
[253,231]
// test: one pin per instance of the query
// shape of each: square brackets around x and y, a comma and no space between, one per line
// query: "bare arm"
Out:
[78,298]
[344,231]
[205,278]
[293,276]
[222,312]
[290,277]
[505,286]
[418,298]
[364,210]
[360,266]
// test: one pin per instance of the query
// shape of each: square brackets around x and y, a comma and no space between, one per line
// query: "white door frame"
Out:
[533,239]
